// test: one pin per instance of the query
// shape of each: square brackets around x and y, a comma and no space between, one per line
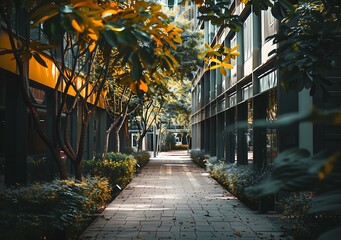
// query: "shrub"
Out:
[118,168]
[41,210]
[199,157]
[38,170]
[164,148]
[301,224]
[142,157]
[181,147]
[236,178]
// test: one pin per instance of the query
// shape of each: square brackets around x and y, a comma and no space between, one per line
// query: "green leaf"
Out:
[142,36]
[277,11]
[39,59]
[110,38]
[136,71]
[146,56]
[44,11]
[126,37]
[287,5]
[332,234]
[327,203]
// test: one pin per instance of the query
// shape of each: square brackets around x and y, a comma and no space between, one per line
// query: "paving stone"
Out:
[172,198]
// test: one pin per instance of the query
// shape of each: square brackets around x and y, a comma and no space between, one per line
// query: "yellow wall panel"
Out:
[46,76]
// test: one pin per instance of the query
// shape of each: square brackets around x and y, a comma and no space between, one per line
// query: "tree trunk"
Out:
[78,171]
[117,137]
[81,147]
[125,140]
[139,147]
[106,146]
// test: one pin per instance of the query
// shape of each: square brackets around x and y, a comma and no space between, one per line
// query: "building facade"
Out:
[224,108]
[20,144]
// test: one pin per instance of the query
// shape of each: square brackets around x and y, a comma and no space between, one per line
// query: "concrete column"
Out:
[259,133]
[16,135]
[241,135]
[305,129]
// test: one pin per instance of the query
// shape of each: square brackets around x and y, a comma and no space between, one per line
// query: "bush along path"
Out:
[62,209]
[173,198]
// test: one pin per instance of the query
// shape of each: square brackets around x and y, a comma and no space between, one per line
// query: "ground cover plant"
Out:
[199,157]
[236,178]
[118,168]
[52,210]
[142,158]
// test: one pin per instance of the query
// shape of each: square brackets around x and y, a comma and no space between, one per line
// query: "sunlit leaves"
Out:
[220,57]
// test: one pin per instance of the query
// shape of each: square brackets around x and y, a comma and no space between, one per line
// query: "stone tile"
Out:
[174,199]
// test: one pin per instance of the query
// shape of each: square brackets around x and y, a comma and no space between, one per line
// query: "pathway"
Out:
[174,199]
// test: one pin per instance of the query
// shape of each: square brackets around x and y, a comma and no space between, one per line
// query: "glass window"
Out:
[247,92]
[271,133]
[247,30]
[35,143]
[268,81]
[2,131]
[249,136]
[232,100]
[268,24]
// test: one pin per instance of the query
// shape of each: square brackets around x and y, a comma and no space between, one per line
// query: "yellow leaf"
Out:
[93,36]
[97,23]
[143,86]
[88,4]
[158,42]
[234,48]
[216,46]
[203,54]
[110,12]
[178,39]
[132,87]
[214,67]
[156,8]
[78,27]
[227,65]
[235,53]
[92,46]
[199,2]
[215,60]
[130,15]
[223,71]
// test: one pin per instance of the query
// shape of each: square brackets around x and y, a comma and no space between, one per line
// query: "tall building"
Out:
[251,92]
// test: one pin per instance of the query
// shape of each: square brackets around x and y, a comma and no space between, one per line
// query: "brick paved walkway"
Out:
[174,199]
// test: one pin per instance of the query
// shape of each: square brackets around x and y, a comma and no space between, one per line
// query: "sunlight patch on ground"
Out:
[151,186]
[176,165]
[221,197]
[137,207]
[163,197]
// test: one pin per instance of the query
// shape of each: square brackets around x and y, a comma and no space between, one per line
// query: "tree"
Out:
[147,114]
[118,105]
[92,34]
[178,102]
